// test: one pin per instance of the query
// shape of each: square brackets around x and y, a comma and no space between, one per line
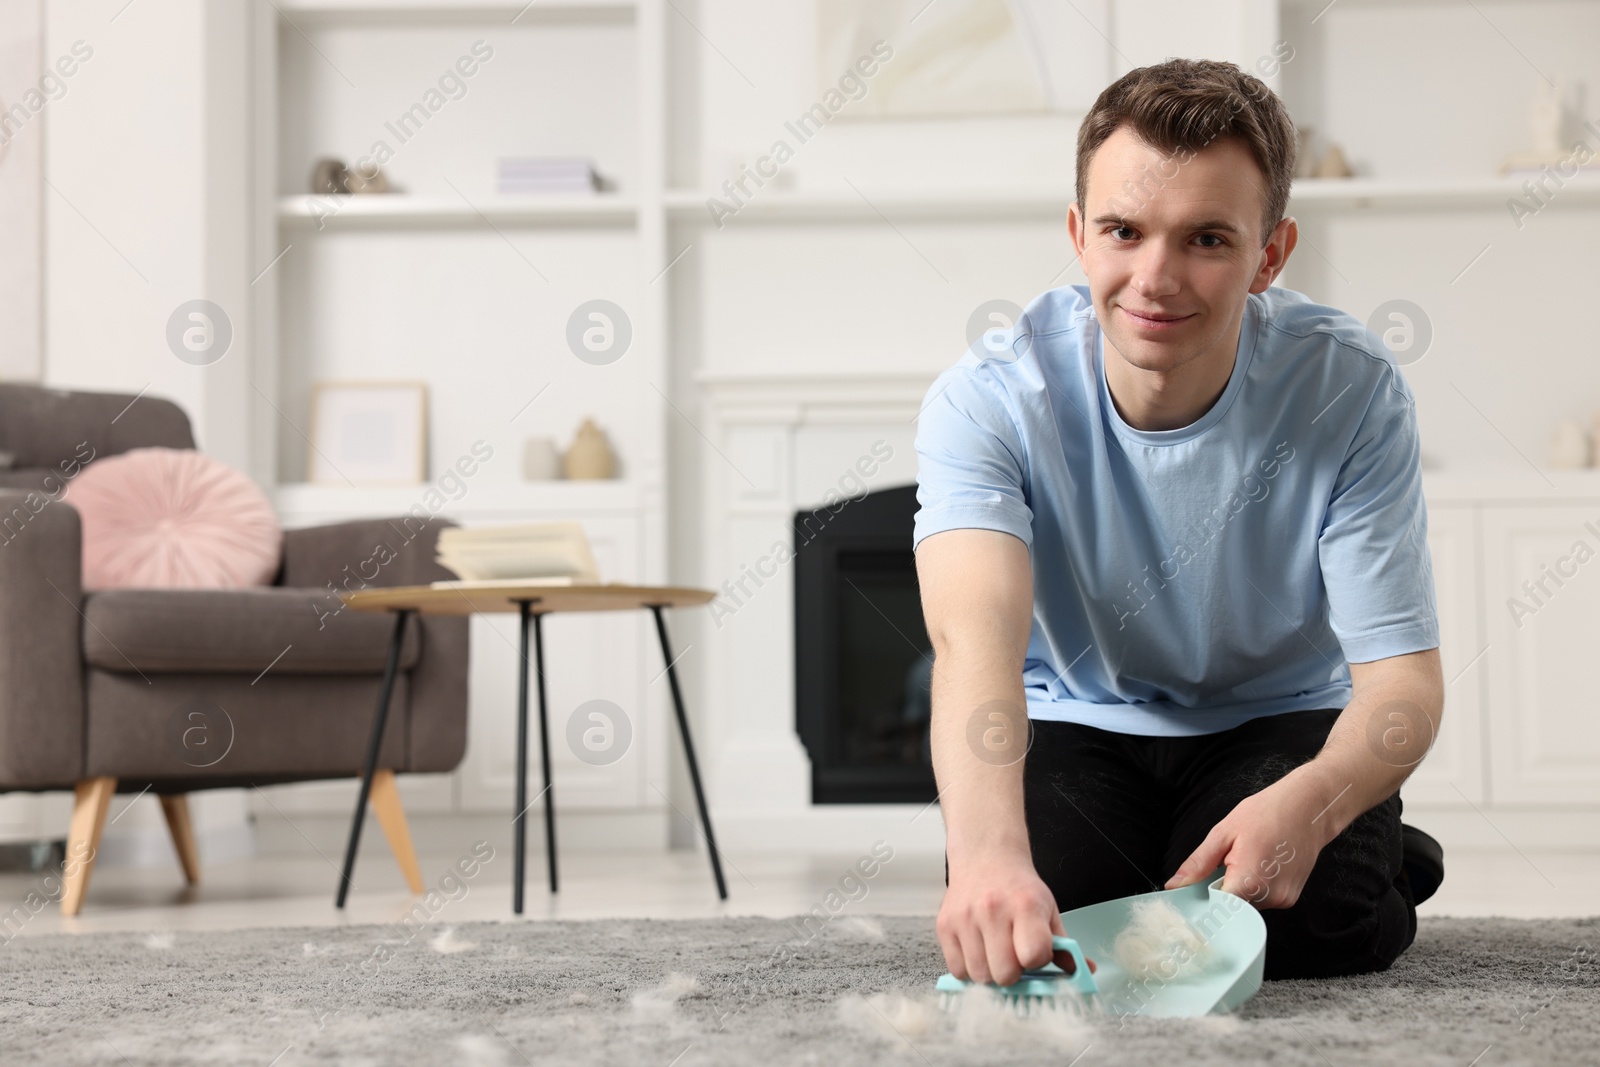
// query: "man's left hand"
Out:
[1268,842]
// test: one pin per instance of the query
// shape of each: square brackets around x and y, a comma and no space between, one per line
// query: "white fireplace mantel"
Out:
[768,430]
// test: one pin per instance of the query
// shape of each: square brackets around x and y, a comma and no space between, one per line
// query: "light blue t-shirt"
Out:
[1186,581]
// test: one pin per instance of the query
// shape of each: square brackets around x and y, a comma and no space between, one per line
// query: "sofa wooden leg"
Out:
[176,809]
[92,798]
[385,801]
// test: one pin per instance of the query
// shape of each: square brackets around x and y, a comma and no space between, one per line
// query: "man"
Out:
[1177,517]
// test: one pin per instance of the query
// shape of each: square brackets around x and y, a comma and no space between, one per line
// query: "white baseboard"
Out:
[151,846]
[846,829]
[1542,829]
[449,835]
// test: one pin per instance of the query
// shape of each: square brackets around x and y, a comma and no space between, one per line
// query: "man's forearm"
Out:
[977,601]
[1379,738]
[979,734]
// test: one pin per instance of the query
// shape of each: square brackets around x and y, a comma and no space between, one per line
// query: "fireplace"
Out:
[863,661]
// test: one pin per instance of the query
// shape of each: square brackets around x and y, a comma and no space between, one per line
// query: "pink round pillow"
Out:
[171,518]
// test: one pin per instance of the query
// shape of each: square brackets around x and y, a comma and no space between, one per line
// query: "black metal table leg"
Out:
[519,831]
[544,754]
[688,751]
[390,670]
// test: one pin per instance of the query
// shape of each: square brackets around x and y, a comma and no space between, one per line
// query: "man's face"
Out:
[1171,246]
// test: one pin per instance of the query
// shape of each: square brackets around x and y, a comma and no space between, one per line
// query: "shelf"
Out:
[302,503]
[301,13]
[1424,192]
[846,205]
[1517,484]
[787,206]
[1318,5]
[402,209]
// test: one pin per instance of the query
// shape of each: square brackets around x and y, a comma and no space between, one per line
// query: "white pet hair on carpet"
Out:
[446,942]
[860,928]
[661,999]
[976,1017]
[891,1014]
[1158,942]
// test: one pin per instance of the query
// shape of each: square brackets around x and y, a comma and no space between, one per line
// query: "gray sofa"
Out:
[185,689]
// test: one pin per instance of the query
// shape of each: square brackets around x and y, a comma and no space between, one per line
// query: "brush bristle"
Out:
[1066,1002]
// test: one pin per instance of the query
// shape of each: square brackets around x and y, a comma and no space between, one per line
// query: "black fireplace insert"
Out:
[863,661]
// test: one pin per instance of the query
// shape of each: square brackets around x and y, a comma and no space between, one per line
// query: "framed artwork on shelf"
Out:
[368,433]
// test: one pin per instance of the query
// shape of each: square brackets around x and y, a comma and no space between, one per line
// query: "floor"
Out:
[298,890]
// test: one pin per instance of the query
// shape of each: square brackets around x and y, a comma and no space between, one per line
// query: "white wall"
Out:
[146,204]
[21,187]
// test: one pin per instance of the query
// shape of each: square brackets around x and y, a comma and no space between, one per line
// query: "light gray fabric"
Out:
[41,672]
[45,428]
[292,725]
[762,993]
[397,551]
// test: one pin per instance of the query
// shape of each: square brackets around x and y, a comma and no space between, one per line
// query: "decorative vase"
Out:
[541,460]
[1334,165]
[1569,446]
[1305,165]
[590,456]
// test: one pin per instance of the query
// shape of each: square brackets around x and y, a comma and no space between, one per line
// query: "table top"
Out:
[475,598]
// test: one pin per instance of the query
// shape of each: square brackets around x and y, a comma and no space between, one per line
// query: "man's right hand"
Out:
[997,919]
[977,600]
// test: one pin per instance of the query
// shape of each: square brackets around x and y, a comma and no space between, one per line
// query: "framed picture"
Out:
[368,433]
[897,59]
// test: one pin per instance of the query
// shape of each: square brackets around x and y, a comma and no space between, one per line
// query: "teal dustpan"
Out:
[1231,974]
[1233,931]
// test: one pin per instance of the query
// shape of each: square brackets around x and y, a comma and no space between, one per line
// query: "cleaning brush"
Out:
[1040,989]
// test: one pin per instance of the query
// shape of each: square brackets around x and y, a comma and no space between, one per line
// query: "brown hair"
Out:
[1183,105]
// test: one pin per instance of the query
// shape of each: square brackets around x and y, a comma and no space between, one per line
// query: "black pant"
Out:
[1111,815]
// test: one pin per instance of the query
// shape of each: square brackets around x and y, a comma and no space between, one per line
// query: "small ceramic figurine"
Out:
[328,177]
[1548,118]
[359,181]
[590,456]
[1569,446]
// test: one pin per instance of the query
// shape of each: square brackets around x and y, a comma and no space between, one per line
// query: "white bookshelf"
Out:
[331,74]
[448,282]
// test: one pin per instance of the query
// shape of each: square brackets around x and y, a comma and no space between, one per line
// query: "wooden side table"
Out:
[532,603]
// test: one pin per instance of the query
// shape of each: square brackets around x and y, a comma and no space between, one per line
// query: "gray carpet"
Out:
[750,992]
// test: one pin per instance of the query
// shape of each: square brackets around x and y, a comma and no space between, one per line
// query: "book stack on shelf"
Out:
[538,553]
[542,175]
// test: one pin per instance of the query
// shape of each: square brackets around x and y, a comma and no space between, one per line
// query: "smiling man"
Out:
[1172,550]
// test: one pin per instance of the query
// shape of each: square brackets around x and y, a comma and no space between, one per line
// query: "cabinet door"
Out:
[1453,768]
[1542,603]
